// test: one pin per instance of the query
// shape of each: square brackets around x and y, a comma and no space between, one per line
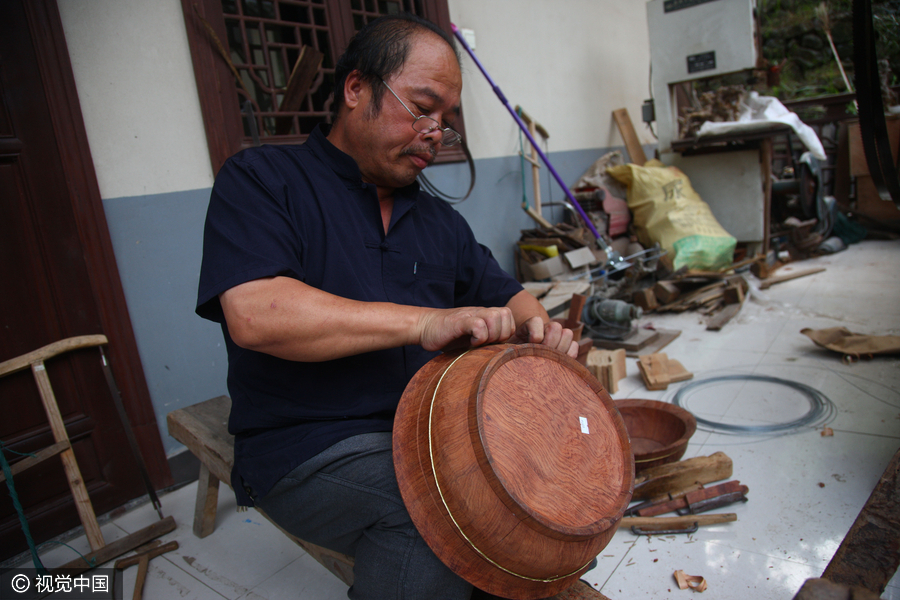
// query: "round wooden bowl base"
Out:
[514,465]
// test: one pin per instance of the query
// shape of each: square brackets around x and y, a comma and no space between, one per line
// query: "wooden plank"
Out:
[118,547]
[39,457]
[680,475]
[734,294]
[677,522]
[653,371]
[539,219]
[822,589]
[50,350]
[70,465]
[666,291]
[645,298]
[302,76]
[721,318]
[151,550]
[870,553]
[658,371]
[203,429]
[766,284]
[340,565]
[632,143]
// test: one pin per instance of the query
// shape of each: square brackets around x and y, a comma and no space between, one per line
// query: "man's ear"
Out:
[354,88]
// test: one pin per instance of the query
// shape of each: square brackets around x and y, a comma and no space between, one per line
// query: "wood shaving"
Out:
[695,582]
[827,432]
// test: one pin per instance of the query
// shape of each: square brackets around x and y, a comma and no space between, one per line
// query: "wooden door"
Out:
[57,280]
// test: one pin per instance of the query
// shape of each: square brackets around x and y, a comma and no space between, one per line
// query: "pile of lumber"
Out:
[717,295]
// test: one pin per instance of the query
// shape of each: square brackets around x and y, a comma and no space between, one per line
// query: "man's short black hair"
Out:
[379,50]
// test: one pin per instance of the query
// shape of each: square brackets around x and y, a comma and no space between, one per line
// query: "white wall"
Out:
[136,86]
[568,64]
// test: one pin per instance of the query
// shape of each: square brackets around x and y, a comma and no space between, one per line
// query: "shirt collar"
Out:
[344,165]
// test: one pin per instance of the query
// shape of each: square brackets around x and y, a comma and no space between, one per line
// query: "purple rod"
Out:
[531,139]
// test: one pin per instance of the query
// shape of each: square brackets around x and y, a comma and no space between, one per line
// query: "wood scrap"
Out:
[695,582]
[721,318]
[669,523]
[608,366]
[300,81]
[632,143]
[680,475]
[645,298]
[666,291]
[695,298]
[734,294]
[763,269]
[561,292]
[767,283]
[658,371]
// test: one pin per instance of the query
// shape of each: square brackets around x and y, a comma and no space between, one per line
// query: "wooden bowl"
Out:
[514,465]
[659,431]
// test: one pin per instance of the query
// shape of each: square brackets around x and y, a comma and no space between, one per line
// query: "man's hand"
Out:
[460,327]
[552,334]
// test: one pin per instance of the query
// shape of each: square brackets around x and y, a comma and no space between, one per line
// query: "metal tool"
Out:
[667,525]
[129,433]
[615,262]
[609,319]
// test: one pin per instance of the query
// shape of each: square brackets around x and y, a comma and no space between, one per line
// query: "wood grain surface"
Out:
[498,474]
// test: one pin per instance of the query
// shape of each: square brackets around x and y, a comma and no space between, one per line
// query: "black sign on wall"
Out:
[673,5]
[701,62]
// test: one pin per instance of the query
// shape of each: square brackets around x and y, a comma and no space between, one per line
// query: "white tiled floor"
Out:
[805,489]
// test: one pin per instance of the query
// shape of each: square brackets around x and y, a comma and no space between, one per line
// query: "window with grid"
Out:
[251,92]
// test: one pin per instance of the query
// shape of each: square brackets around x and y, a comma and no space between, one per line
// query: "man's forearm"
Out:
[291,320]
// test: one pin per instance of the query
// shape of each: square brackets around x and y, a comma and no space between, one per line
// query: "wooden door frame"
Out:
[52,53]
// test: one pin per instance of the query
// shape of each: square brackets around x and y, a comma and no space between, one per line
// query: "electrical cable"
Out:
[822,409]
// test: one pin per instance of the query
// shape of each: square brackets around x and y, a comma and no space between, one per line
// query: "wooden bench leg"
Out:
[206,504]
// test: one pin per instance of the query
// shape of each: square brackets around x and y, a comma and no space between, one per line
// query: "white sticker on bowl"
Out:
[584,425]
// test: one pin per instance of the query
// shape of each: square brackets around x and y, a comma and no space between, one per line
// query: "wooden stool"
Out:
[203,428]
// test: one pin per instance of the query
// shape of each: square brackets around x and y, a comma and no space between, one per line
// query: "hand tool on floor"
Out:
[694,501]
[614,260]
[672,525]
[142,559]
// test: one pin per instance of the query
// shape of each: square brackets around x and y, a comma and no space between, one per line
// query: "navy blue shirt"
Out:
[304,212]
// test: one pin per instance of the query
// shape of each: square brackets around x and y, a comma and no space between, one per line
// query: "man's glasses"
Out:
[426,125]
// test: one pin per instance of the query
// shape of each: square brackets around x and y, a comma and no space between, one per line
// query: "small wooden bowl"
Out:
[659,431]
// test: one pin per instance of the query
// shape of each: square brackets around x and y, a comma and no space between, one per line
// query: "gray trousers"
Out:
[346,499]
